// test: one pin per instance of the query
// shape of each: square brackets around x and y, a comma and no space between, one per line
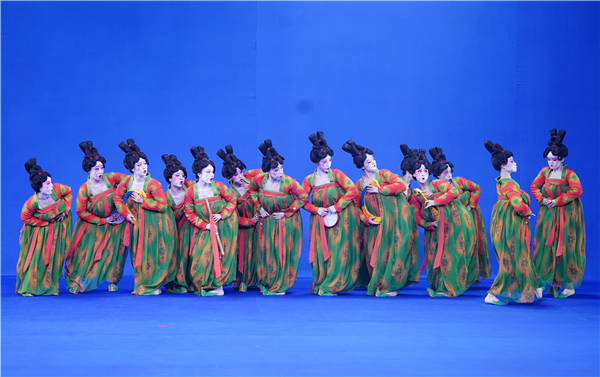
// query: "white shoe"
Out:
[491,299]
[567,292]
[539,292]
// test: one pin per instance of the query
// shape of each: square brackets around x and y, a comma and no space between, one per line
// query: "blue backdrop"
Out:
[172,75]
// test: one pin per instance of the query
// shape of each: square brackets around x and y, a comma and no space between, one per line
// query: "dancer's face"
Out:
[446,175]
[554,162]
[140,168]
[325,164]
[96,171]
[370,165]
[510,166]
[421,174]
[46,187]
[277,172]
[238,178]
[207,174]
[177,179]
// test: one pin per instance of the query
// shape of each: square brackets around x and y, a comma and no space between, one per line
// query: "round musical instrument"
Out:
[374,218]
[331,219]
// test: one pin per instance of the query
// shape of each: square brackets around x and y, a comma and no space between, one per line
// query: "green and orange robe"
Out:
[388,247]
[152,238]
[211,266]
[278,242]
[414,221]
[334,252]
[450,252]
[469,197]
[185,229]
[44,242]
[246,209]
[559,252]
[98,251]
[511,238]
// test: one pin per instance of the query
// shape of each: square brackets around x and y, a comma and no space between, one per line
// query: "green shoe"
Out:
[378,293]
[242,288]
[74,289]
[326,294]
[433,293]
[112,287]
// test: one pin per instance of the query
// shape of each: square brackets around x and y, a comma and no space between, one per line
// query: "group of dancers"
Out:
[202,235]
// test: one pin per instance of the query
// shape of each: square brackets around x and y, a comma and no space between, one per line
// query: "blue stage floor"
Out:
[118,334]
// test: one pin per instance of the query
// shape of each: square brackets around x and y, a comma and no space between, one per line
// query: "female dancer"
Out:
[210,207]
[279,236]
[175,174]
[449,244]
[511,236]
[466,204]
[142,202]
[386,214]
[334,250]
[98,251]
[559,253]
[239,181]
[45,235]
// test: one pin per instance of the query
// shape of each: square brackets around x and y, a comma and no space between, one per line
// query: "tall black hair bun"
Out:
[492,147]
[31,166]
[437,154]
[198,152]
[266,147]
[88,148]
[350,147]
[317,139]
[406,151]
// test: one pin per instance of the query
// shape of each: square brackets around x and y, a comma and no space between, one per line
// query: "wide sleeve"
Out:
[446,192]
[229,197]
[471,189]
[512,191]
[573,192]
[294,188]
[537,184]
[307,187]
[419,214]
[189,210]
[27,214]
[393,183]
[349,187]
[65,195]
[155,200]
[254,188]
[81,207]
[118,198]
[115,178]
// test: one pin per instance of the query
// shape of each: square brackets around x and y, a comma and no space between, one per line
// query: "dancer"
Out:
[45,235]
[386,214]
[210,207]
[559,253]
[511,236]
[239,181]
[176,175]
[449,244]
[141,200]
[334,246]
[279,236]
[466,204]
[98,251]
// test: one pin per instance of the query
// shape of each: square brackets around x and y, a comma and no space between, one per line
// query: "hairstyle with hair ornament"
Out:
[230,162]
[555,144]
[132,154]
[271,158]
[500,156]
[37,175]
[358,152]
[172,166]
[201,160]
[439,163]
[320,149]
[91,156]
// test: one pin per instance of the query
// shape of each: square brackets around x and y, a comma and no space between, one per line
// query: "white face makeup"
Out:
[370,165]
[276,173]
[554,162]
[140,168]
[96,171]
[446,175]
[207,175]
[177,179]
[510,166]
[46,187]
[325,164]
[238,178]
[421,174]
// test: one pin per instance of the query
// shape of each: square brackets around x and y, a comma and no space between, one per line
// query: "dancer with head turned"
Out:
[210,207]
[559,252]
[334,224]
[466,205]
[449,244]
[278,238]
[98,250]
[511,236]
[239,182]
[176,176]
[45,235]
[385,214]
[141,200]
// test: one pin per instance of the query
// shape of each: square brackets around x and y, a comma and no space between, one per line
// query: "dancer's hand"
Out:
[217,217]
[130,218]
[371,221]
[373,189]
[332,209]
[322,211]
[136,198]
[263,213]
[429,203]
[277,215]
[435,224]
[255,218]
